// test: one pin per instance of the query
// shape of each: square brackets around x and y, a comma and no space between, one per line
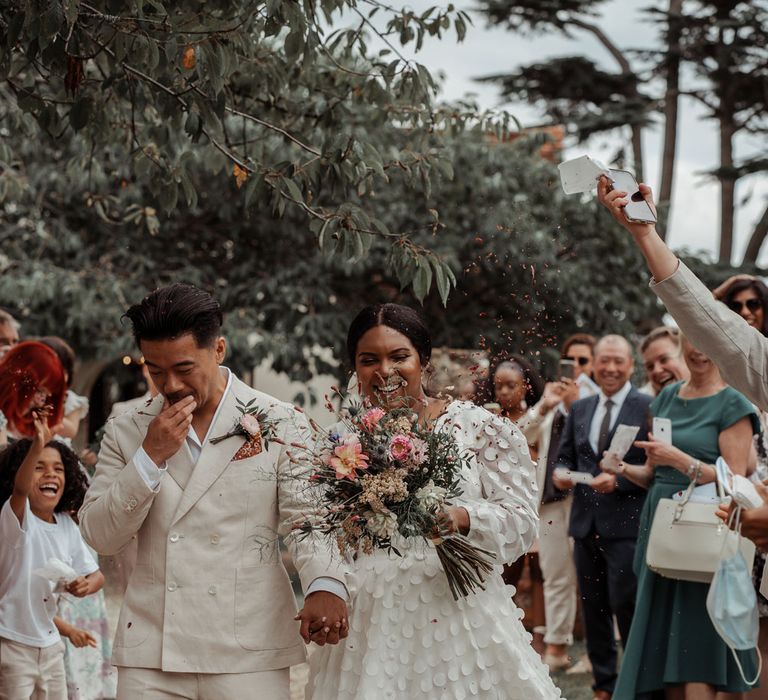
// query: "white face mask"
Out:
[732,607]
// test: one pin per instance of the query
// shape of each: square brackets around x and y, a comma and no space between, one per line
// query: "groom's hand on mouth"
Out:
[323,619]
[168,430]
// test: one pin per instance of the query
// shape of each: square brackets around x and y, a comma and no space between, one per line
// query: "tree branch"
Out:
[757,238]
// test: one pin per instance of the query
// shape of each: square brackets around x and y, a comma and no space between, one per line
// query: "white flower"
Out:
[381,524]
[430,497]
[250,424]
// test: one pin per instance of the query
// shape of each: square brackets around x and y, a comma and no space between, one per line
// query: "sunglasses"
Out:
[579,360]
[751,304]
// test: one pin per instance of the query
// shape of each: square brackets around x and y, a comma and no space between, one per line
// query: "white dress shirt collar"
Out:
[618,398]
[193,441]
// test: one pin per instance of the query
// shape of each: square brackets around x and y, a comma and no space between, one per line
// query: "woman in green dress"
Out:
[673,651]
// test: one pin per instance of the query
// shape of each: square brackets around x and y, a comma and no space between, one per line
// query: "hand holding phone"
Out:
[566,369]
[637,209]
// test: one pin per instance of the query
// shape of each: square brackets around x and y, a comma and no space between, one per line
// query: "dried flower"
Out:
[388,486]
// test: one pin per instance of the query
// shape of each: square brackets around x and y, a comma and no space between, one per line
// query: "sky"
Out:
[695,214]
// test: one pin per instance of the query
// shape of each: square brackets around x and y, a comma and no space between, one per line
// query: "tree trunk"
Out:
[727,186]
[756,239]
[637,152]
[671,103]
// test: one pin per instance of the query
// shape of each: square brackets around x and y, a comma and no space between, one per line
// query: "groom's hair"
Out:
[176,310]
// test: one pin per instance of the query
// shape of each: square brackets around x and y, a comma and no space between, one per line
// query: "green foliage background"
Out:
[291,171]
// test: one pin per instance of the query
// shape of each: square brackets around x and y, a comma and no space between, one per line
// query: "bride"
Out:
[408,637]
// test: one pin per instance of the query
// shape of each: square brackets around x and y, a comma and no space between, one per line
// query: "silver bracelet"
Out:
[694,471]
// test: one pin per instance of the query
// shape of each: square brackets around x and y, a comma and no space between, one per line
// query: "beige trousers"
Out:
[556,561]
[154,684]
[31,673]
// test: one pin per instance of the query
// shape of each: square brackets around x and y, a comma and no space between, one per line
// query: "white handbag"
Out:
[686,539]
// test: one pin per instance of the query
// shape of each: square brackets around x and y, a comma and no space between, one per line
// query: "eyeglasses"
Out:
[751,304]
[583,361]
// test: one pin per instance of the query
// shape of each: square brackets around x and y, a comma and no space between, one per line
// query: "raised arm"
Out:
[739,351]
[25,476]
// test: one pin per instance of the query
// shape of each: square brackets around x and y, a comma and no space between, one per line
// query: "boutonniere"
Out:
[255,426]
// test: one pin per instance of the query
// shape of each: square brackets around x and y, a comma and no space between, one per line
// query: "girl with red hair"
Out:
[31,380]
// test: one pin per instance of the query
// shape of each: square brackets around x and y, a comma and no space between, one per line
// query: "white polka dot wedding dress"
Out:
[408,637]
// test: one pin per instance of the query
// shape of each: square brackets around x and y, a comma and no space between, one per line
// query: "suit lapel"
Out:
[181,466]
[588,417]
[214,459]
[624,414]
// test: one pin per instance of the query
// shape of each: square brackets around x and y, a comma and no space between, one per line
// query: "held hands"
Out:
[323,619]
[168,430]
[615,201]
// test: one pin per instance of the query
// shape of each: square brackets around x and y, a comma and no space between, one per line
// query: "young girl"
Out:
[40,481]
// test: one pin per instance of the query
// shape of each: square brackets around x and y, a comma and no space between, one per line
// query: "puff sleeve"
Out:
[504,520]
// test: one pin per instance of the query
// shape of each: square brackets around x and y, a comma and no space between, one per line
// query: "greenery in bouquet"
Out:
[382,473]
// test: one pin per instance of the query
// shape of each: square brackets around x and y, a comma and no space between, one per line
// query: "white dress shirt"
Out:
[152,474]
[618,401]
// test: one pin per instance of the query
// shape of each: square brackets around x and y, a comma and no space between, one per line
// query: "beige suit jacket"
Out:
[740,351]
[209,593]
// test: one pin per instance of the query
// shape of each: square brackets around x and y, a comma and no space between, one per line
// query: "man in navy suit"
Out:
[605,515]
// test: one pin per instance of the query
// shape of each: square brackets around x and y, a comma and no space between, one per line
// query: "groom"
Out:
[208,609]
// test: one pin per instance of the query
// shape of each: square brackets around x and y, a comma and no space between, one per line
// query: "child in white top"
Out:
[40,482]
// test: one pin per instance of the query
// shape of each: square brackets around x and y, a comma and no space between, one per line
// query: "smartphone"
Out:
[493,408]
[567,369]
[637,209]
[662,430]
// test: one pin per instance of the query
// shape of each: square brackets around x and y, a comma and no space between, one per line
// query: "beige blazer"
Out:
[739,351]
[209,593]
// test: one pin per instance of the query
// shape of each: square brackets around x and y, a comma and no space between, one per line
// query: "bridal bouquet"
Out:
[380,473]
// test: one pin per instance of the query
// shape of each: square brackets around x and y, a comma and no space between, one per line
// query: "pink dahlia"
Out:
[371,418]
[400,447]
[348,457]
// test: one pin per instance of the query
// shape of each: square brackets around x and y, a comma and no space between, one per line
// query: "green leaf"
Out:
[80,113]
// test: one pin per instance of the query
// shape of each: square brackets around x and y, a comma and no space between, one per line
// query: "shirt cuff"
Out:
[329,585]
[149,472]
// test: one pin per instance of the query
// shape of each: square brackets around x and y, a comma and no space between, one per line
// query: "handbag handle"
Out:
[722,471]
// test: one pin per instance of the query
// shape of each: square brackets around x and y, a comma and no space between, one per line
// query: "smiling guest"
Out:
[605,514]
[673,648]
[748,297]
[662,353]
[40,484]
[208,610]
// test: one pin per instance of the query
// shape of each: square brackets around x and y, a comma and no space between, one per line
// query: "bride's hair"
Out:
[403,319]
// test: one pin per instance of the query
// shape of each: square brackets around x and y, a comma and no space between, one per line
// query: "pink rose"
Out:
[400,447]
[250,424]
